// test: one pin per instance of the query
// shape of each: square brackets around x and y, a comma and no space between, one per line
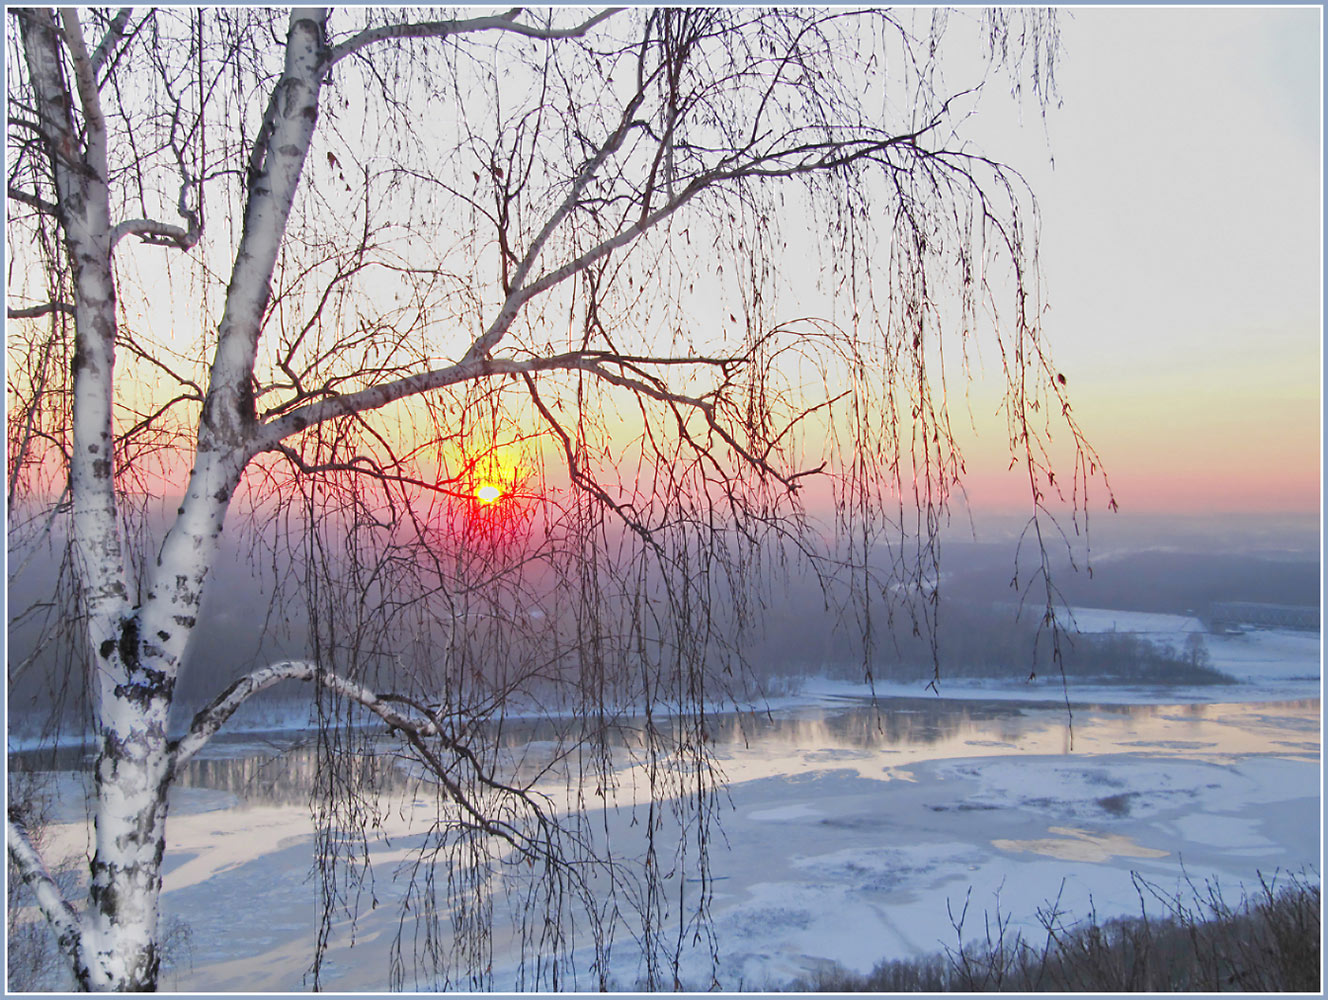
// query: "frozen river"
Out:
[847,830]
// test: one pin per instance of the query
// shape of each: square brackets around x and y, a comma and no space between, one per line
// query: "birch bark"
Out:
[136,651]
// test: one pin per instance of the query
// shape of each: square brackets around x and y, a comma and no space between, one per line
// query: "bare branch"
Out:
[35,312]
[156,233]
[33,201]
[363,467]
[209,720]
[416,730]
[269,436]
[520,296]
[442,29]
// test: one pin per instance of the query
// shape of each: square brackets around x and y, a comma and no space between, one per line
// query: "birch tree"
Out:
[659,274]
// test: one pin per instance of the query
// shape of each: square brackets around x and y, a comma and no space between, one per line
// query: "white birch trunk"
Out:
[136,652]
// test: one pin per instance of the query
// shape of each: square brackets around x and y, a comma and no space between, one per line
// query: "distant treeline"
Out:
[973,640]
[1156,580]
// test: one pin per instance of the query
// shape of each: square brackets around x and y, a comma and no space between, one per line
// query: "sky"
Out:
[1180,192]
[1181,245]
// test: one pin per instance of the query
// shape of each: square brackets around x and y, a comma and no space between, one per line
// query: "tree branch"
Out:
[363,467]
[51,901]
[111,39]
[833,154]
[270,435]
[89,96]
[442,29]
[703,406]
[520,296]
[416,730]
[156,233]
[587,173]
[33,201]
[208,721]
[36,312]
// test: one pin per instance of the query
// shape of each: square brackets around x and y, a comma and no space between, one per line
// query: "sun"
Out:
[488,493]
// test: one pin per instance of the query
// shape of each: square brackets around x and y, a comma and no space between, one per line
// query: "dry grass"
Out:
[1268,942]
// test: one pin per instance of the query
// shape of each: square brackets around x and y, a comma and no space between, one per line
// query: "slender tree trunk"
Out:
[135,652]
[117,947]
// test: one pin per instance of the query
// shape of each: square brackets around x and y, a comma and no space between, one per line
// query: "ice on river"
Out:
[843,848]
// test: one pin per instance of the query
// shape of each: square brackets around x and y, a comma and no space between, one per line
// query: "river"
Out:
[846,830]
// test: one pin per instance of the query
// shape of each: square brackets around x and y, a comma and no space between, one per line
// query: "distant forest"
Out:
[978,634]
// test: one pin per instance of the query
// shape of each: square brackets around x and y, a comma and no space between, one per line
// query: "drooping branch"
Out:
[705,407]
[785,162]
[417,729]
[443,29]
[578,474]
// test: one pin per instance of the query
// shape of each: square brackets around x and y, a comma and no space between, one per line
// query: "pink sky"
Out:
[1182,268]
[1181,242]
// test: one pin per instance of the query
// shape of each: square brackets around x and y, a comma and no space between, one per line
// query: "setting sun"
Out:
[488,493]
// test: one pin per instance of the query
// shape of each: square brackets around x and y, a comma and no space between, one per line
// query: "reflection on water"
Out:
[1073,844]
[876,741]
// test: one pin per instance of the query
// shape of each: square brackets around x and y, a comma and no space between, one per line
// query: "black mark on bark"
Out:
[129,644]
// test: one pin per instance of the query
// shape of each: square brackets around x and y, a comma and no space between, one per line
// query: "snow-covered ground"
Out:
[843,847]
[1149,625]
[852,870]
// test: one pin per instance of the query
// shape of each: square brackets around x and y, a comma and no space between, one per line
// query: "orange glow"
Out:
[488,493]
